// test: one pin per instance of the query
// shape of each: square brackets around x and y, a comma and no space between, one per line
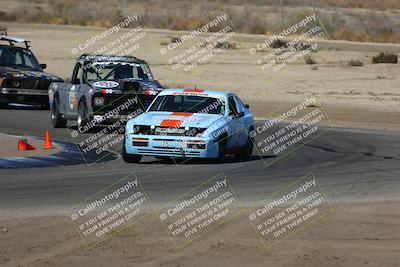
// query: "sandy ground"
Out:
[366,97]
[9,147]
[364,234]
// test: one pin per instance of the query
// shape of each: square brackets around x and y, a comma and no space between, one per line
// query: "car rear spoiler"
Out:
[12,40]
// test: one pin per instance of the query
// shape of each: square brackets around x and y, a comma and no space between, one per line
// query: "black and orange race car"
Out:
[22,79]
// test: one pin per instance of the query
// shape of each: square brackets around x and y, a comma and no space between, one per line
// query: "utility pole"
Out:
[246,11]
[282,14]
[205,7]
[122,6]
[168,13]
[23,3]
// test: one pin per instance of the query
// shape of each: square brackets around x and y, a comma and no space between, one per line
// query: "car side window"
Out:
[76,75]
[19,60]
[239,104]
[232,106]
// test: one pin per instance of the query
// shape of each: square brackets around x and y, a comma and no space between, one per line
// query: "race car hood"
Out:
[177,119]
[22,74]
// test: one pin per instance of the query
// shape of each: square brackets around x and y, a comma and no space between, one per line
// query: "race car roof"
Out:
[90,58]
[200,92]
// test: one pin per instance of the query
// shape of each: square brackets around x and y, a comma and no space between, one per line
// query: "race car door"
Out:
[234,126]
[73,91]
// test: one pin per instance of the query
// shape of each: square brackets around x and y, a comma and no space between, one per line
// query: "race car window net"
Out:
[232,106]
[190,104]
[113,72]
[76,75]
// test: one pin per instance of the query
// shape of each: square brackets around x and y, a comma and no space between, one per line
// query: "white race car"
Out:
[190,123]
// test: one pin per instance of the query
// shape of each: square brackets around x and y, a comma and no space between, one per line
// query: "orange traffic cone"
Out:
[30,147]
[47,141]
[23,145]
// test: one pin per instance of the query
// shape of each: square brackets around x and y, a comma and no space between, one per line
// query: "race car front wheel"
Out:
[129,158]
[222,142]
[56,118]
[83,118]
[3,102]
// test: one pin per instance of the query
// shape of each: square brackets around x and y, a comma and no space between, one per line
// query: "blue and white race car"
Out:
[190,123]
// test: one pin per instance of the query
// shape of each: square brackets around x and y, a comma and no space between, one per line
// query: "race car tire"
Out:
[3,102]
[83,119]
[222,147]
[129,158]
[56,117]
[248,149]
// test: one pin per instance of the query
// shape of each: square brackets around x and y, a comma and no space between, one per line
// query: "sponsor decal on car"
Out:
[105,84]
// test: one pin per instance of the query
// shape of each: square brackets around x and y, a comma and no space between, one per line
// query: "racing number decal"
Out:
[73,99]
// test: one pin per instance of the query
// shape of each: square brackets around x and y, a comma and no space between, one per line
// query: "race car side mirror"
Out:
[246,105]
[43,66]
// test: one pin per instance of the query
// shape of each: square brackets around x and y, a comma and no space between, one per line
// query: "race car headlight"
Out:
[98,101]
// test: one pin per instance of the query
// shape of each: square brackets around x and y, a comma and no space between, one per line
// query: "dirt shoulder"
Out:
[368,230]
[347,117]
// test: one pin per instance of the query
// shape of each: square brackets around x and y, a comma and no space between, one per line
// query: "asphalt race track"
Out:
[354,165]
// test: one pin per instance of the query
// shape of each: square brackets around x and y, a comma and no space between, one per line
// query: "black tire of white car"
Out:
[129,158]
[56,118]
[222,147]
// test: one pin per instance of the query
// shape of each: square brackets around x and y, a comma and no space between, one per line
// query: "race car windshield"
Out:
[189,103]
[18,58]
[112,72]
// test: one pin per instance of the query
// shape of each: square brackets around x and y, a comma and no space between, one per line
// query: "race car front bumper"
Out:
[171,146]
[23,96]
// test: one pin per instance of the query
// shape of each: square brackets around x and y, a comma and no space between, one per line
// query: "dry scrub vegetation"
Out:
[353,20]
